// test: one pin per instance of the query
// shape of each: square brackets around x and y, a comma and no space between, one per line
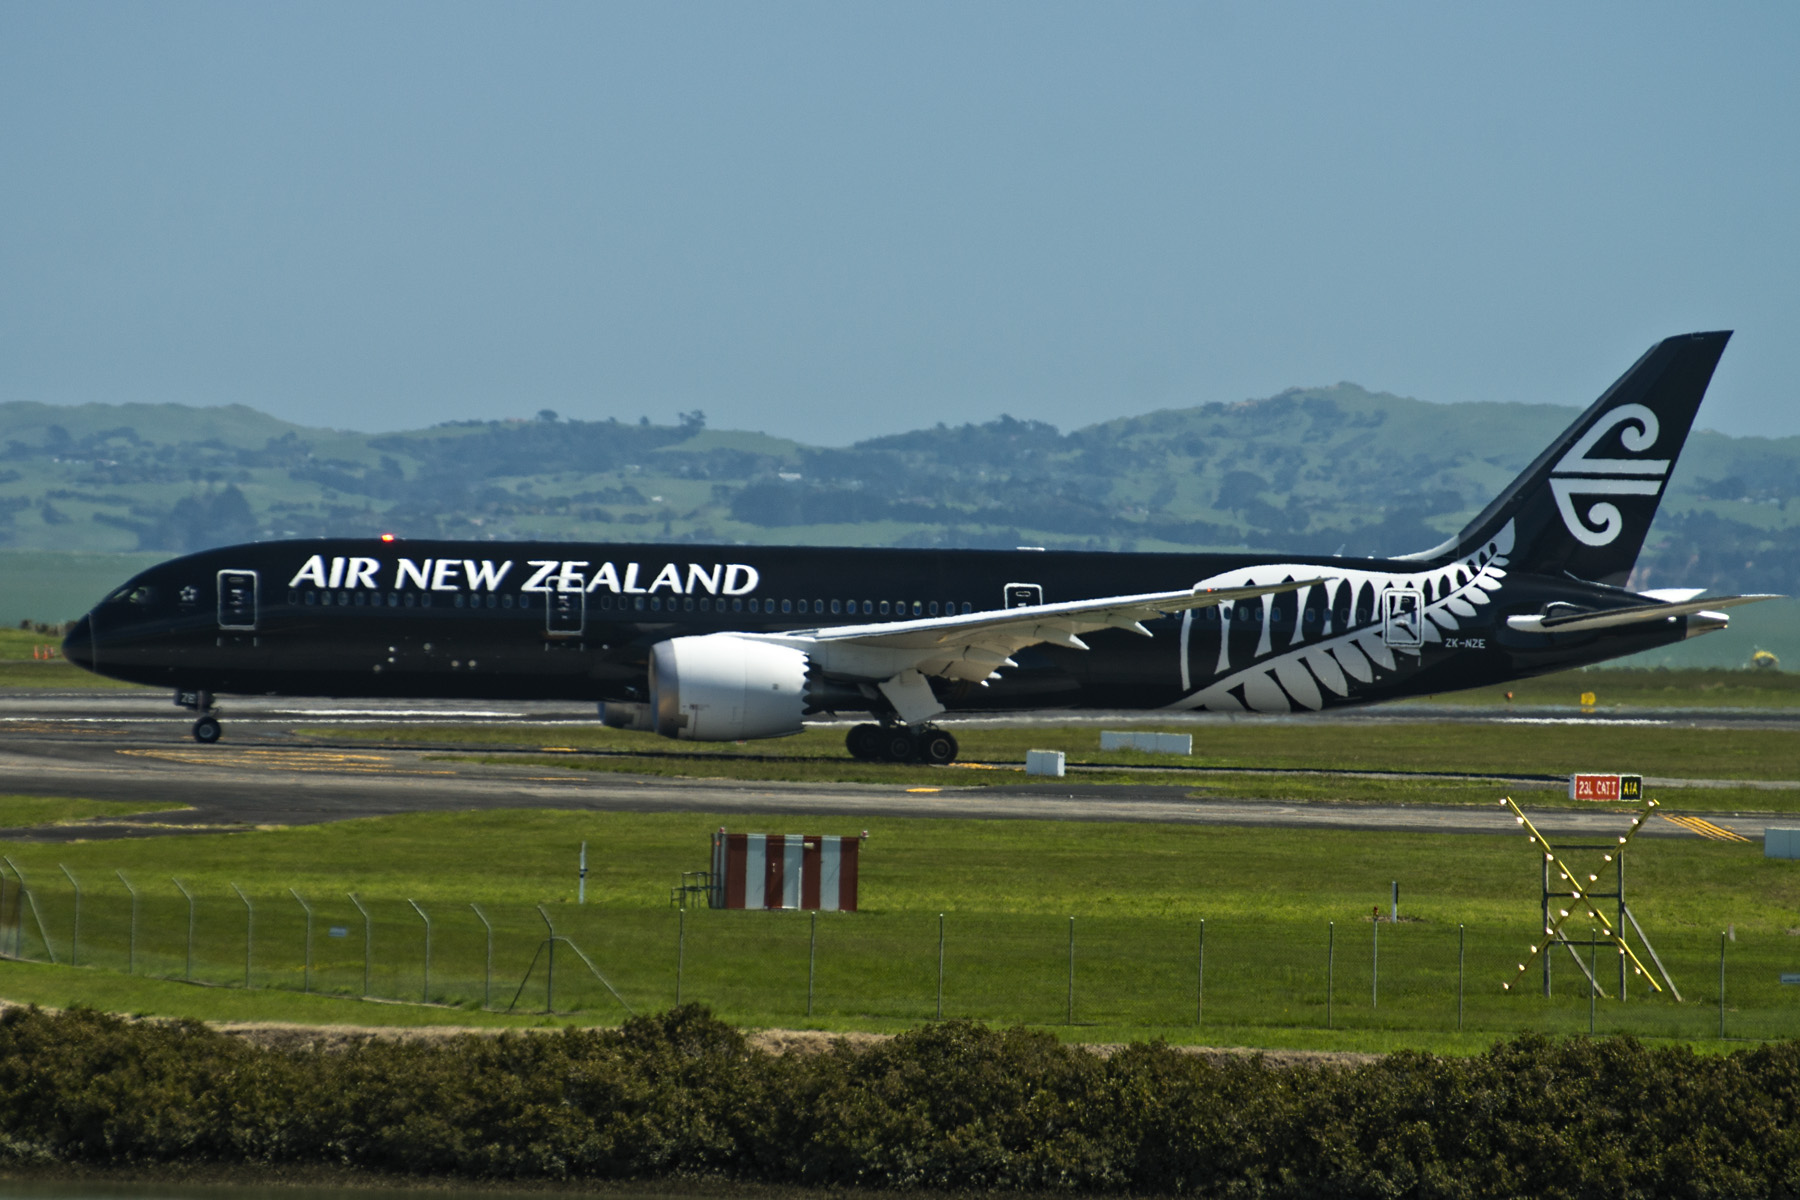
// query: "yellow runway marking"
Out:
[1706,829]
[319,762]
[258,755]
[924,789]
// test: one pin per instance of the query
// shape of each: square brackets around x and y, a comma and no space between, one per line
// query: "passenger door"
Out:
[1403,618]
[565,613]
[1024,595]
[237,600]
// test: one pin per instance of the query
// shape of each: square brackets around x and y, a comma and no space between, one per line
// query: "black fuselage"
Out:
[568,621]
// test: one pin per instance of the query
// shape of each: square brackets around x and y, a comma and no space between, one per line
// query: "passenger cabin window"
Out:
[787,606]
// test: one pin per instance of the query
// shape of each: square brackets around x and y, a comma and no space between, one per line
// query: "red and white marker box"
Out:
[784,870]
[1606,787]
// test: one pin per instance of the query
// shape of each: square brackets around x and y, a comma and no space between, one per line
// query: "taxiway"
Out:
[132,746]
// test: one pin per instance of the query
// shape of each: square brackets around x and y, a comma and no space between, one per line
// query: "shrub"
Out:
[954,1106]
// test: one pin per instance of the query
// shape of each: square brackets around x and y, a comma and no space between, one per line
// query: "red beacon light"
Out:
[387,537]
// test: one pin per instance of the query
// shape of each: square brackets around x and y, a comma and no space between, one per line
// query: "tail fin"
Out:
[1583,507]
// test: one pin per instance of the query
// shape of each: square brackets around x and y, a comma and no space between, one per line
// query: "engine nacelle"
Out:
[720,688]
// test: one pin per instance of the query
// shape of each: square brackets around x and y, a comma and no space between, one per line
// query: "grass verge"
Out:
[1289,947]
[21,812]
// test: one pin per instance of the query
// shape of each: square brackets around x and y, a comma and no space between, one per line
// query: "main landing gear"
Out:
[207,729]
[899,744]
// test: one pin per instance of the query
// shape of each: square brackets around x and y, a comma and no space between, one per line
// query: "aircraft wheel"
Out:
[206,731]
[864,742]
[937,747]
[897,746]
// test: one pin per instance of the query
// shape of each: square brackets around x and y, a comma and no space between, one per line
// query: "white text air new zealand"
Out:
[733,642]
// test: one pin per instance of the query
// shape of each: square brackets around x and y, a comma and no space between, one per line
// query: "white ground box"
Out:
[1781,843]
[1044,762]
[1149,743]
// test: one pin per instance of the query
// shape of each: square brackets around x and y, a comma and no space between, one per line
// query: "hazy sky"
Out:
[841,219]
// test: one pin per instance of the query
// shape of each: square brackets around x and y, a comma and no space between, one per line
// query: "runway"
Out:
[133,746]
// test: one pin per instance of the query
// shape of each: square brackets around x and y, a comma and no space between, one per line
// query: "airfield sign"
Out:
[1606,787]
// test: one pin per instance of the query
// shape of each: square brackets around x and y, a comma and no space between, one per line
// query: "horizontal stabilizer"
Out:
[1634,615]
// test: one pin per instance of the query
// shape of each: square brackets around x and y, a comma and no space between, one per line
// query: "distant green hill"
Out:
[1307,470]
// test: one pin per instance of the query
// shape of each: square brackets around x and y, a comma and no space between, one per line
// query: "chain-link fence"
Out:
[839,969]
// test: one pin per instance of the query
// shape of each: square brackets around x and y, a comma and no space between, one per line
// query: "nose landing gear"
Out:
[899,744]
[207,729]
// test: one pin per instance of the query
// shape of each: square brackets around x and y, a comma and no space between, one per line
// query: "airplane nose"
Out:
[78,645]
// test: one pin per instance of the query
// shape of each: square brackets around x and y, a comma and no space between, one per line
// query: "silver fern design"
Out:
[1306,664]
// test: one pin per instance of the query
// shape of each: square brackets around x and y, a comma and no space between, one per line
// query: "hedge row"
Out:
[952,1106]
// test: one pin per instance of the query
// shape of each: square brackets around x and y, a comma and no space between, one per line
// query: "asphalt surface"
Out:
[269,770]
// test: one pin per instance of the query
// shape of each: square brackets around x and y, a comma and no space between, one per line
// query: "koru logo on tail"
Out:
[1578,474]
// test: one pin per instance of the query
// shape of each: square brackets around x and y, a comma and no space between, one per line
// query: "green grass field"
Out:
[1638,687]
[21,666]
[1235,757]
[18,812]
[1007,891]
[1423,746]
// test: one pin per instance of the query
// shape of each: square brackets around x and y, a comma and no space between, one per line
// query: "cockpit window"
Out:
[133,593]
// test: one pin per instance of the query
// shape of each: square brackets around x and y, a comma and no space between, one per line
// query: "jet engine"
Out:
[721,688]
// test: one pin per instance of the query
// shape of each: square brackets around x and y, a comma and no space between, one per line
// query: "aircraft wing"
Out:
[1632,615]
[897,655]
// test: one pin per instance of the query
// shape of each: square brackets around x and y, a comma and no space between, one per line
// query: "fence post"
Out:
[75,944]
[306,984]
[1593,980]
[1721,987]
[368,939]
[19,907]
[812,961]
[680,947]
[1375,960]
[131,951]
[1200,976]
[1070,1018]
[425,991]
[487,975]
[1460,933]
[1330,968]
[940,996]
[249,930]
[182,887]
[550,974]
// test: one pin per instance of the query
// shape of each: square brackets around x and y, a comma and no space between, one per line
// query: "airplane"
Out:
[733,643]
